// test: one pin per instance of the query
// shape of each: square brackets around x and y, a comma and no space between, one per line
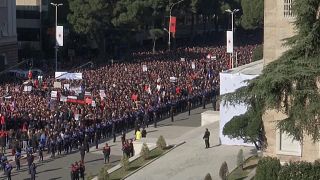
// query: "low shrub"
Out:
[208,177]
[161,143]
[125,162]
[145,152]
[103,174]
[224,171]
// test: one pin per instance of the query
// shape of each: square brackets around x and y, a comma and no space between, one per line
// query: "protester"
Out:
[106,153]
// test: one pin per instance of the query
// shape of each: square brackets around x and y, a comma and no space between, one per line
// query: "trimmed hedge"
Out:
[268,169]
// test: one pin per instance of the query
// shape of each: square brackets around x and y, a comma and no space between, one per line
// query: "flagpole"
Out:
[56,46]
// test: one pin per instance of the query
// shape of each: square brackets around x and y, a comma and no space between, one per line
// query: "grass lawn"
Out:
[137,163]
[241,173]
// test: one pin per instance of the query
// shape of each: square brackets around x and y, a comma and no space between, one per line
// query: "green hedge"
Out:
[257,53]
[268,169]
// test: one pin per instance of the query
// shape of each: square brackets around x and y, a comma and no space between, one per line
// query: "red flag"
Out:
[173,21]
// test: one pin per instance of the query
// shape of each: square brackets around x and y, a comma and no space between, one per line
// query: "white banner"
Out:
[63,99]
[193,65]
[66,86]
[144,68]
[54,94]
[59,35]
[229,42]
[102,94]
[173,79]
[27,88]
[66,75]
[57,85]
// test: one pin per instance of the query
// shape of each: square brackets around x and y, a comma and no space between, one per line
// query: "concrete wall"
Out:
[8,37]
[276,28]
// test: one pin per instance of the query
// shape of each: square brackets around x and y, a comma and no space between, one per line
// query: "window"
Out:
[287,8]
[286,145]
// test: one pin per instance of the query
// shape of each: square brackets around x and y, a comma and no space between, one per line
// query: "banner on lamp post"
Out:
[59,35]
[173,22]
[229,42]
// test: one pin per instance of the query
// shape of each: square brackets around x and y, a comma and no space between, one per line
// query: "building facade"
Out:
[8,35]
[30,14]
[278,18]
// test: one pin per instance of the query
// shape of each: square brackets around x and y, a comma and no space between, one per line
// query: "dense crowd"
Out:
[149,88]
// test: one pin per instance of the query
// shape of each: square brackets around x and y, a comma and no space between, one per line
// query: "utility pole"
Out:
[169,33]
[232,22]
[56,46]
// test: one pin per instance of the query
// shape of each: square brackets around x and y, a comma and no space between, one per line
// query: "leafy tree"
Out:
[252,16]
[155,34]
[290,84]
[90,18]
[224,171]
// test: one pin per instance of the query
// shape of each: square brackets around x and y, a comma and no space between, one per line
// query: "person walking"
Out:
[17,158]
[172,113]
[106,153]
[96,140]
[206,138]
[8,169]
[82,152]
[81,170]
[33,168]
[40,152]
[189,106]
[138,134]
[144,133]
[30,159]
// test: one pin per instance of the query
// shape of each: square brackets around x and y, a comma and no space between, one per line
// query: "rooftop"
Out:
[254,68]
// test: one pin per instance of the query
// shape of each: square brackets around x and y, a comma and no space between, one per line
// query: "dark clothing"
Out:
[106,153]
[33,171]
[144,133]
[82,153]
[206,138]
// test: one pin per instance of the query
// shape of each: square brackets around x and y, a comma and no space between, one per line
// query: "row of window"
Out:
[287,8]
[22,14]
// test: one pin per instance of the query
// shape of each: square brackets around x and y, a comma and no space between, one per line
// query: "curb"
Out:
[175,146]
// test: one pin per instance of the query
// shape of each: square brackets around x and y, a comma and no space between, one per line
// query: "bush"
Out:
[268,168]
[125,162]
[300,170]
[103,174]
[161,143]
[257,53]
[145,152]
[240,158]
[208,177]
[224,171]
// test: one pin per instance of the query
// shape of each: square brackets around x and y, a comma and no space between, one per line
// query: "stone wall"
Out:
[276,28]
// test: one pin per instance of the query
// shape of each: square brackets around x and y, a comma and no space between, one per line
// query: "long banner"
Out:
[229,42]
[66,75]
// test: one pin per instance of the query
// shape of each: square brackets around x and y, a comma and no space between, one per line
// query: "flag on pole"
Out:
[229,42]
[173,23]
[59,35]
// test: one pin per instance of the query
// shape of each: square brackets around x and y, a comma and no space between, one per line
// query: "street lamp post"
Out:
[169,35]
[56,46]
[232,12]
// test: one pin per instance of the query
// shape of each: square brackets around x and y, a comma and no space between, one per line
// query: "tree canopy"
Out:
[252,16]
[290,84]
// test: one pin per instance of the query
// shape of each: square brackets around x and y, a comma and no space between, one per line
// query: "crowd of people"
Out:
[110,99]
